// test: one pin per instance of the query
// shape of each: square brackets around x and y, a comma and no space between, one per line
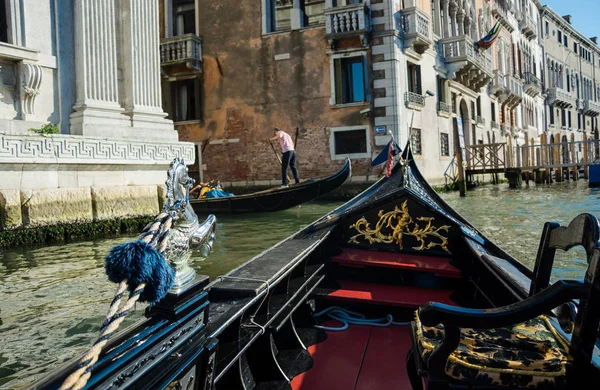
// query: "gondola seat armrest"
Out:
[432,314]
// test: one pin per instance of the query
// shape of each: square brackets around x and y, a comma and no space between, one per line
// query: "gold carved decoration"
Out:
[401,224]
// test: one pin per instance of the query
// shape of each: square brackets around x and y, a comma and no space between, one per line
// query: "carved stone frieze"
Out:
[77,149]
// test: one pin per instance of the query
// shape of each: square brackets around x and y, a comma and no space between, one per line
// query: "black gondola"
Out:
[274,199]
[386,254]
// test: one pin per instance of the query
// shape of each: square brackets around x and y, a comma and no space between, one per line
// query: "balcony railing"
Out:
[494,125]
[528,26]
[347,21]
[414,100]
[462,47]
[503,15]
[591,108]
[444,108]
[415,26]
[506,129]
[181,49]
[515,86]
[480,120]
[533,85]
[560,97]
[499,85]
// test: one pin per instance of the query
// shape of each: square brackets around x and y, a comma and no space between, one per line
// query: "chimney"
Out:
[594,39]
[567,18]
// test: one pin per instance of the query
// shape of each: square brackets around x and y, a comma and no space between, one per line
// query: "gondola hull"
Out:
[385,253]
[274,199]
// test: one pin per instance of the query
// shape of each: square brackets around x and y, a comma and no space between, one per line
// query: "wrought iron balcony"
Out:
[472,67]
[414,100]
[532,85]
[528,26]
[591,108]
[349,21]
[499,85]
[415,28]
[183,50]
[444,109]
[560,98]
[503,15]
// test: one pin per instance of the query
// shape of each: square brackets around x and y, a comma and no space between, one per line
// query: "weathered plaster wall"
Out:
[247,92]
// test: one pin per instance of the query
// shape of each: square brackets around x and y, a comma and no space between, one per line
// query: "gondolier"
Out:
[288,156]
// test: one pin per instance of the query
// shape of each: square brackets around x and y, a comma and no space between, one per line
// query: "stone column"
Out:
[141,65]
[446,18]
[97,108]
[452,10]
[460,19]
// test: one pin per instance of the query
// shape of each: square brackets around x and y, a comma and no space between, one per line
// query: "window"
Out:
[551,115]
[479,105]
[559,36]
[351,142]
[280,13]
[493,112]
[575,47]
[444,144]
[569,114]
[454,102]
[579,121]
[566,41]
[349,80]
[3,22]
[184,17]
[563,118]
[414,78]
[473,110]
[185,100]
[441,89]
[313,12]
[547,29]
[415,141]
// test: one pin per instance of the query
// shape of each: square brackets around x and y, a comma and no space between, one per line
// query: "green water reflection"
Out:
[53,299]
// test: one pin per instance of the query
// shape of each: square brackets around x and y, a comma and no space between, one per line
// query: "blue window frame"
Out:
[350,80]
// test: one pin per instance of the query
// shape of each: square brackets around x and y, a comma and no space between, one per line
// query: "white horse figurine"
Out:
[187,233]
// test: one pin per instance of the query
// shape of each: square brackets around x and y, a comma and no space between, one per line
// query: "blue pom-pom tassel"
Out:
[139,262]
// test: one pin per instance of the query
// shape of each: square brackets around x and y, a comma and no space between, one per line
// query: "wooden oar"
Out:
[278,157]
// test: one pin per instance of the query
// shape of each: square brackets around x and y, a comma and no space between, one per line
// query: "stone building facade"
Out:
[93,68]
[572,68]
[345,73]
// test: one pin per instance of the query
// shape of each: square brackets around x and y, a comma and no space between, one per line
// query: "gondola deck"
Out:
[389,251]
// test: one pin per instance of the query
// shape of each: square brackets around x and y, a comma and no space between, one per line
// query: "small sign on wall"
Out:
[379,129]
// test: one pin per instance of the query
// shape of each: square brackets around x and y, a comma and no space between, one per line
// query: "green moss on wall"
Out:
[74,232]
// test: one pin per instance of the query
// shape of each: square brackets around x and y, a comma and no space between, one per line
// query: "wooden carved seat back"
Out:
[583,230]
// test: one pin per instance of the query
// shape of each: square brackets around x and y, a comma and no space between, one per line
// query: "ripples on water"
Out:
[53,299]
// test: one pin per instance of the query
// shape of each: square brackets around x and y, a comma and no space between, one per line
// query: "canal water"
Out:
[53,299]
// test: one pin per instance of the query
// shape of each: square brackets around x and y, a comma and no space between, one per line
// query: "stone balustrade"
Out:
[502,14]
[347,20]
[591,108]
[416,29]
[515,86]
[532,84]
[181,49]
[473,67]
[560,98]
[528,26]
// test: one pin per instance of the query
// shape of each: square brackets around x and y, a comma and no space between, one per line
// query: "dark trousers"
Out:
[289,159]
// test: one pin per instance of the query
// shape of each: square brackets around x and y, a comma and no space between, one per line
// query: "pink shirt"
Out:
[285,141]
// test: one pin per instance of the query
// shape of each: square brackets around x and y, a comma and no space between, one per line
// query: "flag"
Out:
[390,159]
[489,39]
[382,156]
